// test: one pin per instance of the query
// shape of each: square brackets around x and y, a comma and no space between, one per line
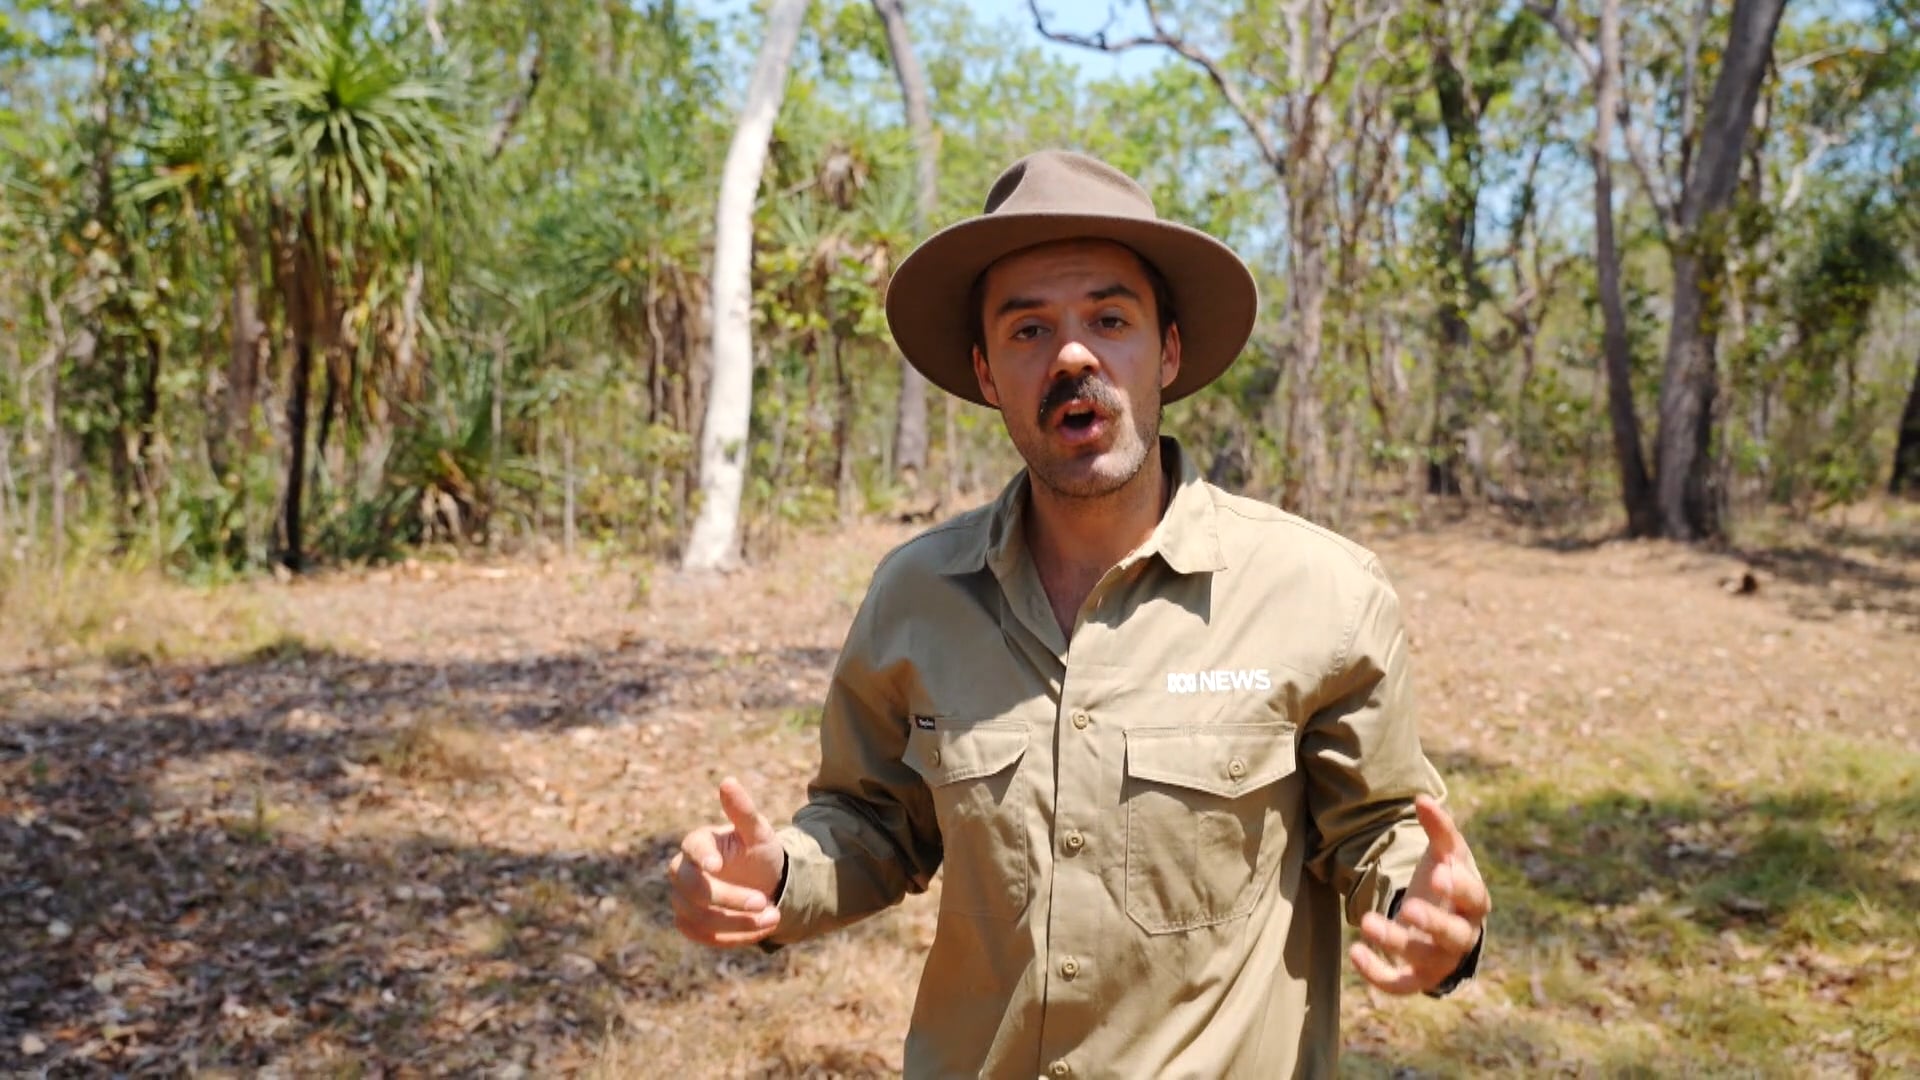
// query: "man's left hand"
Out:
[1440,918]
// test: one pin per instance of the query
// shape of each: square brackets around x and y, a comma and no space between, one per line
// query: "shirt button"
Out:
[1235,768]
[1060,1068]
[1081,719]
[1074,840]
[1069,967]
[935,757]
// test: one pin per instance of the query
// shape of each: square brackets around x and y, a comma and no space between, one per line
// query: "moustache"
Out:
[1082,387]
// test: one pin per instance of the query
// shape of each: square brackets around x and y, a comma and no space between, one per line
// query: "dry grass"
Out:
[1698,810]
[128,618]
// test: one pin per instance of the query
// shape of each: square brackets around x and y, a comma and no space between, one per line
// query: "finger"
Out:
[1442,884]
[730,897]
[726,931]
[1390,937]
[702,848]
[1442,835]
[1392,978]
[701,888]
[1450,932]
[753,828]
[713,919]
[1470,897]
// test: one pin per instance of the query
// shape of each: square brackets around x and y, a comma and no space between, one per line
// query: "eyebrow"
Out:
[1030,303]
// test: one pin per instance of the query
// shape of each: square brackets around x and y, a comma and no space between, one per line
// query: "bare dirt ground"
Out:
[420,829]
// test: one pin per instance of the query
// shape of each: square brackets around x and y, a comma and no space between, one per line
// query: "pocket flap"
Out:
[1220,759]
[957,750]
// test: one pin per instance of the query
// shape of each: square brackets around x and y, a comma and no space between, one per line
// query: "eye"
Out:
[1111,322]
[1028,332]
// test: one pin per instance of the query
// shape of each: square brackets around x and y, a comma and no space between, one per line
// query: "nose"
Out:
[1073,360]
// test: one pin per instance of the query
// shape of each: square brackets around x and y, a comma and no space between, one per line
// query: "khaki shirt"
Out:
[1150,833]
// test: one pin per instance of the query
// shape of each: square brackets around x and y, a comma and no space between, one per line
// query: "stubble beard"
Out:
[1073,476]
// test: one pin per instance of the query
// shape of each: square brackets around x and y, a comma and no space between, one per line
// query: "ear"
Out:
[984,375]
[1170,357]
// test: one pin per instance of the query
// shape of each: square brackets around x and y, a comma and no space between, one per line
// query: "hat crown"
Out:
[1062,182]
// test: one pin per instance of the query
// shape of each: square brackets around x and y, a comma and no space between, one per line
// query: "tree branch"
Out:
[536,66]
[1590,58]
[1161,38]
[1650,176]
[1581,48]
[1822,142]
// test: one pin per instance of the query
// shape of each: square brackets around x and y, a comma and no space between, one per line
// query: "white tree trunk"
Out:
[910,422]
[715,542]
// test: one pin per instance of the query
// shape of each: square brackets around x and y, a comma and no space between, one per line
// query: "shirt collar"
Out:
[1187,538]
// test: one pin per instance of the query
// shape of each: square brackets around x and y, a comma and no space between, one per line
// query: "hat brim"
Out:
[1214,295]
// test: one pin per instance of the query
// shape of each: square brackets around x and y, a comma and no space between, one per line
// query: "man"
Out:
[1159,737]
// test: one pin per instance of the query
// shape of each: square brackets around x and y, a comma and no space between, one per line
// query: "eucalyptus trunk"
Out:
[1636,489]
[910,429]
[1459,273]
[1687,503]
[715,541]
[1309,185]
[1906,456]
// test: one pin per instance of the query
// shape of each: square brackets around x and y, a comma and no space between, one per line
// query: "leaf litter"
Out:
[424,832]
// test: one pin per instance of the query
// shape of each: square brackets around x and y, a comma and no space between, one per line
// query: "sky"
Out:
[1080,16]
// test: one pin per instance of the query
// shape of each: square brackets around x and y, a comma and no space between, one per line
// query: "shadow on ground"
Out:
[1832,584]
[1757,860]
[150,936]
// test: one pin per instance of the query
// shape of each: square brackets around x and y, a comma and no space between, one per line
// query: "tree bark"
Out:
[1308,180]
[1906,455]
[715,541]
[292,554]
[910,418]
[1459,273]
[1688,509]
[1636,488]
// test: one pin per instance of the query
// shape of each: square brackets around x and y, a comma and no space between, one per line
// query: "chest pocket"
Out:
[972,771]
[1205,822]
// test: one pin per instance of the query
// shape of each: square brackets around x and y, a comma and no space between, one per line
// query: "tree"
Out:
[1687,505]
[910,426]
[355,141]
[715,542]
[1602,64]
[1906,454]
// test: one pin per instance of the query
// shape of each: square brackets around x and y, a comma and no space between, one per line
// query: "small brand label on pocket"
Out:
[924,723]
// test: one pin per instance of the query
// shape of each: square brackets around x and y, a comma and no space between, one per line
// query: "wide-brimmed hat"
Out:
[1056,195]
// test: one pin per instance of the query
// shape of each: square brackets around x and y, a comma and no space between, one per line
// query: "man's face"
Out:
[1075,363]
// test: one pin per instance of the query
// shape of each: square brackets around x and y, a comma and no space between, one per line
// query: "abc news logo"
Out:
[1218,681]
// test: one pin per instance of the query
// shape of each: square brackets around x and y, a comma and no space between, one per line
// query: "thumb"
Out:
[1443,836]
[752,829]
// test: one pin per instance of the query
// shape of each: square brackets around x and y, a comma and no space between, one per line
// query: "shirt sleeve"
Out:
[1363,761]
[867,835]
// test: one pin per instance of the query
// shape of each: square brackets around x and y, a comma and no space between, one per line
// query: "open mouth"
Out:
[1080,417]
[1080,422]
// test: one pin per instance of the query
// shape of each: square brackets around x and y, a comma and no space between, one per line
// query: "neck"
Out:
[1079,540]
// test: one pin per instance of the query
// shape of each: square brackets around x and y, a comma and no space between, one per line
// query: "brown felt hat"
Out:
[1057,195]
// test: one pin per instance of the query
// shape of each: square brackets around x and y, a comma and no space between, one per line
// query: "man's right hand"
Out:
[724,877]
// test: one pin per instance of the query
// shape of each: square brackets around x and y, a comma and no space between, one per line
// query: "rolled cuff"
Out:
[1385,870]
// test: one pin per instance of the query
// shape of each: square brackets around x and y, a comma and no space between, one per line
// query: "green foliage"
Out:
[494,234]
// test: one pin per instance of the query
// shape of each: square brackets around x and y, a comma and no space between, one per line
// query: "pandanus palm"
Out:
[359,140]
